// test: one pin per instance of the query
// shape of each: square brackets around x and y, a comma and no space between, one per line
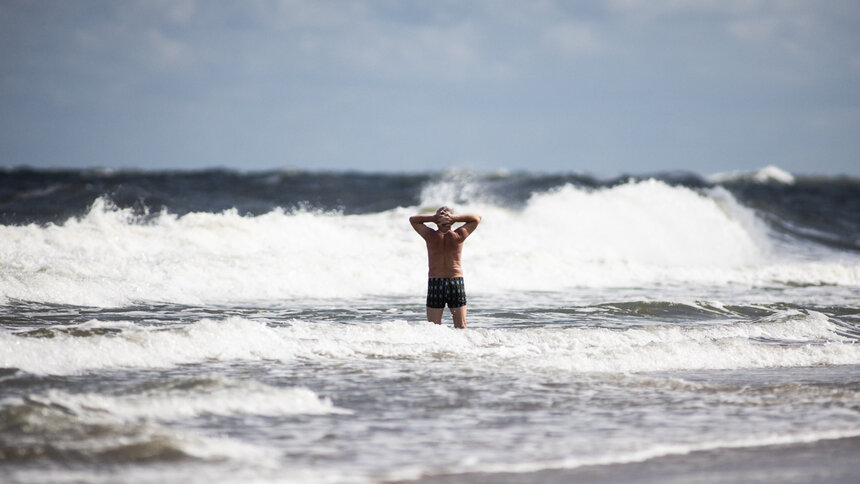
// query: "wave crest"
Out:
[570,236]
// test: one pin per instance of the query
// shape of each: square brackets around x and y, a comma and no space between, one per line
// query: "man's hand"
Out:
[444,218]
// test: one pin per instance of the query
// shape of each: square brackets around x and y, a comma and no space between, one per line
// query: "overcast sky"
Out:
[623,86]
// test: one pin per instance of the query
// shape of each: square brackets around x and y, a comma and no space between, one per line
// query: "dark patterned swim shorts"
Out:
[446,290]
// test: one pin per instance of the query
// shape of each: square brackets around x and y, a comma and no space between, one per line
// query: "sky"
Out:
[598,87]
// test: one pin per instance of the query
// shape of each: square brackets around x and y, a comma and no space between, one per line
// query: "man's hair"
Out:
[444,208]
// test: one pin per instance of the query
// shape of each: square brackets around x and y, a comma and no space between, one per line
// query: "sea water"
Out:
[270,327]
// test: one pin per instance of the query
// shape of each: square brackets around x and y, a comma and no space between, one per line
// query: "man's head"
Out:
[444,218]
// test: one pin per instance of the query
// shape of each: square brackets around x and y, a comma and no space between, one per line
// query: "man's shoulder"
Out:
[464,231]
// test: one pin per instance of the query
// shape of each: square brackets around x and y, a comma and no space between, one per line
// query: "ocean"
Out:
[224,326]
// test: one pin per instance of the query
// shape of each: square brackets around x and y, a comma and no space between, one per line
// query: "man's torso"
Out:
[444,251]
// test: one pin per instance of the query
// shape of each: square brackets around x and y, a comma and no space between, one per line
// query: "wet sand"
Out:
[826,461]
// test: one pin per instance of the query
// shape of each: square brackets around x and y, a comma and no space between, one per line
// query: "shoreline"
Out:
[831,461]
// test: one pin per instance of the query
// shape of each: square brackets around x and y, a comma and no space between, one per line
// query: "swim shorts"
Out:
[446,290]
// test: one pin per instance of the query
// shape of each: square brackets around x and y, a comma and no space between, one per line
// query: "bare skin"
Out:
[444,251]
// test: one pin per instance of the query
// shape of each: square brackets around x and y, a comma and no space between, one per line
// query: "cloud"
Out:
[574,38]
[446,52]
[375,39]
[129,35]
[650,10]
[502,79]
[175,11]
[163,51]
[752,21]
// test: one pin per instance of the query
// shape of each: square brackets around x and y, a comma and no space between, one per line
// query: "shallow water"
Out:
[369,392]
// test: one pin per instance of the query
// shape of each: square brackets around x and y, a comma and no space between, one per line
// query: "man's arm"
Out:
[471,221]
[418,222]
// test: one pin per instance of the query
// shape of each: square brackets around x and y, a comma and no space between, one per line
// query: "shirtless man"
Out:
[444,248]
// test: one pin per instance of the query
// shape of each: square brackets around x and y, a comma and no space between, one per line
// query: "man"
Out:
[444,248]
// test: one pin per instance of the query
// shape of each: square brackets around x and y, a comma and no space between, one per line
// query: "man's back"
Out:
[444,251]
[445,246]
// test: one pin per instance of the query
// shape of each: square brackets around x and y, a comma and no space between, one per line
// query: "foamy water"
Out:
[632,234]
[806,339]
[608,323]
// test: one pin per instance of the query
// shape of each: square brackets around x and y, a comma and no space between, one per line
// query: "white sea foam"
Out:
[226,398]
[768,174]
[637,233]
[139,347]
[662,450]
[806,339]
[226,473]
[100,426]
